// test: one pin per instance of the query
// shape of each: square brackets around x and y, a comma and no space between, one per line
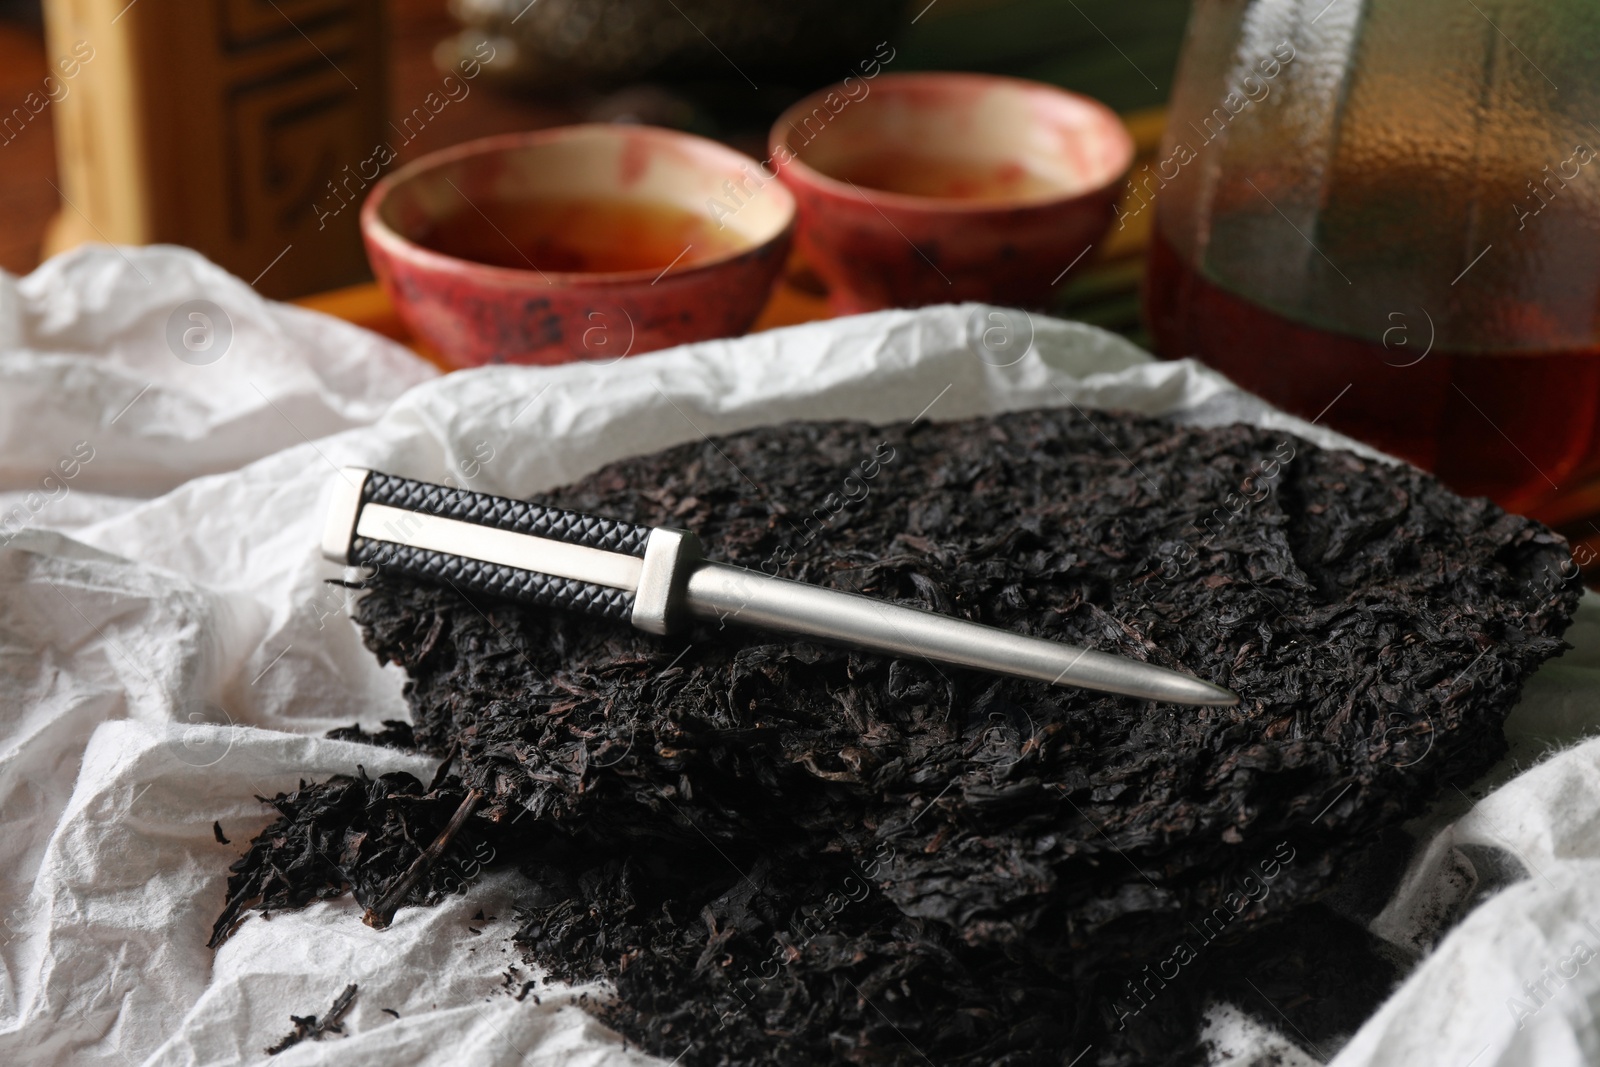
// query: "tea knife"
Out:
[657,579]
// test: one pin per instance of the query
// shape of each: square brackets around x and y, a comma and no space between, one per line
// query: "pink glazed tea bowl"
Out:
[577,243]
[932,188]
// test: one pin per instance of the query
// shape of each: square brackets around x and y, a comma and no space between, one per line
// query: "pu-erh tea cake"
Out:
[784,851]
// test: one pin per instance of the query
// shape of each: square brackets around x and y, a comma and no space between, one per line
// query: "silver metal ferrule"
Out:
[340,528]
[669,555]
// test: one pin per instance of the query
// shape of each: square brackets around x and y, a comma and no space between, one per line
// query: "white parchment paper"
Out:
[169,649]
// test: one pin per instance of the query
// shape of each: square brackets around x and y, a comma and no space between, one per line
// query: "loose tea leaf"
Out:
[348,834]
[785,850]
[309,1026]
[395,734]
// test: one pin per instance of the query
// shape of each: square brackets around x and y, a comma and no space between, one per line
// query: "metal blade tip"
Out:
[1186,690]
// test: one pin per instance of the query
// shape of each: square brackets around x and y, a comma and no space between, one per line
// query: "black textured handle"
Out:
[609,535]
[493,579]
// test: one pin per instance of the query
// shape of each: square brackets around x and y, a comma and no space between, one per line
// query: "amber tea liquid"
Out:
[581,235]
[914,174]
[1519,428]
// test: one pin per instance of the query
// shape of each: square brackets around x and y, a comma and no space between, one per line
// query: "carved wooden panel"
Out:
[218,123]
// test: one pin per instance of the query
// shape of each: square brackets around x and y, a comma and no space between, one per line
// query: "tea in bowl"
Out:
[582,242]
[921,189]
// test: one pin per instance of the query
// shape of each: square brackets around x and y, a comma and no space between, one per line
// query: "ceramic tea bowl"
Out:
[583,242]
[930,188]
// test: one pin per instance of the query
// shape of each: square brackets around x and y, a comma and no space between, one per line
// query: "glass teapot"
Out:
[1386,214]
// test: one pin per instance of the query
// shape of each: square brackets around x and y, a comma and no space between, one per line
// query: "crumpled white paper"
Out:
[169,649]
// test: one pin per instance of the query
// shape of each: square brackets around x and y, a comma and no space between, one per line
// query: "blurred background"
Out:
[1330,250]
[240,127]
